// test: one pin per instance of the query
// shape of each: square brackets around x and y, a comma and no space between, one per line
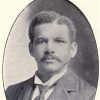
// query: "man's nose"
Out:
[49,48]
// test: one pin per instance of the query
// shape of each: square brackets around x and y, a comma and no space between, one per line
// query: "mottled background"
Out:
[19,65]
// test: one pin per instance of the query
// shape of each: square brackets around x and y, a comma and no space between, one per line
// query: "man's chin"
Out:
[50,69]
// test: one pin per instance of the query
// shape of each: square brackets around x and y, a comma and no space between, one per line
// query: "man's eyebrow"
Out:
[40,38]
[58,38]
[61,38]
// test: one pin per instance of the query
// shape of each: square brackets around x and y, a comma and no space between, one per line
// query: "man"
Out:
[52,44]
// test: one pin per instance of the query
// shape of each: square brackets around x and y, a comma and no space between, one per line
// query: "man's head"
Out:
[52,41]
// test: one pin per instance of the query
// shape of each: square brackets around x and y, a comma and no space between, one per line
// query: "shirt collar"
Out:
[51,81]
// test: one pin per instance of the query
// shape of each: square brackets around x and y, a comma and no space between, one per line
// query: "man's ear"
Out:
[73,49]
[31,49]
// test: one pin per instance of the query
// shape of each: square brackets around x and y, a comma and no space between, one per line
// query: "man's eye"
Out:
[39,41]
[60,41]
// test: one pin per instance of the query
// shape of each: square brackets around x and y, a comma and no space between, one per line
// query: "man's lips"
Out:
[48,59]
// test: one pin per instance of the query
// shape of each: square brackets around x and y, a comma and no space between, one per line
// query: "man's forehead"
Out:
[51,29]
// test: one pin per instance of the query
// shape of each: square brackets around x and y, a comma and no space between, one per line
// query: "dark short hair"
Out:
[49,17]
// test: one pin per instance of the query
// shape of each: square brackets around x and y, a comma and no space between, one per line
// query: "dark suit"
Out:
[69,87]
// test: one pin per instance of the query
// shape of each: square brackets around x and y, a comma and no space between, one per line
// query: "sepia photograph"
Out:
[51,54]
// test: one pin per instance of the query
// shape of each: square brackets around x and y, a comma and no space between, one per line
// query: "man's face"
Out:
[51,47]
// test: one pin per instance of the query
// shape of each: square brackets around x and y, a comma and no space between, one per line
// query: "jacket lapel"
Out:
[66,88]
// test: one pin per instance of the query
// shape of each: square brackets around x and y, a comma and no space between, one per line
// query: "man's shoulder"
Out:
[85,86]
[13,90]
[72,81]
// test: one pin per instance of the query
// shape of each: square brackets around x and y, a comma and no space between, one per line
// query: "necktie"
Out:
[43,90]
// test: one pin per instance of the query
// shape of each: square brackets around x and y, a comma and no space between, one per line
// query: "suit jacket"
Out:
[69,87]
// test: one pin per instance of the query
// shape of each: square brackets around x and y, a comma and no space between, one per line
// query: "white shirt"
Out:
[50,82]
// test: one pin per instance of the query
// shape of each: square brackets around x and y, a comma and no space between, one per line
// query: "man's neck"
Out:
[45,76]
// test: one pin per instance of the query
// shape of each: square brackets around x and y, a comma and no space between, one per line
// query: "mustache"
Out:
[48,57]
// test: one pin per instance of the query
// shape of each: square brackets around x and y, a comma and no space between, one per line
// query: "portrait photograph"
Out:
[51,54]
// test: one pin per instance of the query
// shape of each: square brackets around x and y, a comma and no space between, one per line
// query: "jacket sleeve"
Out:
[11,92]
